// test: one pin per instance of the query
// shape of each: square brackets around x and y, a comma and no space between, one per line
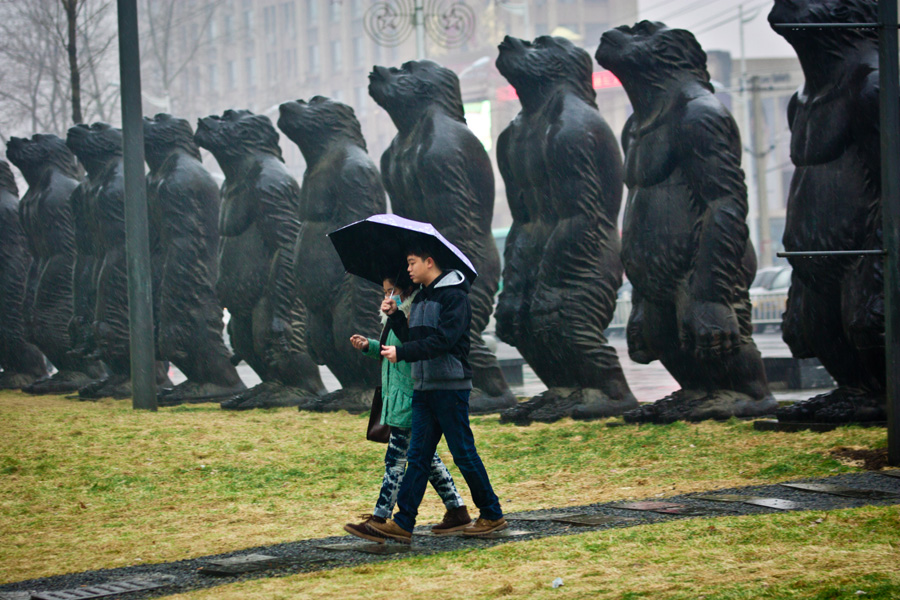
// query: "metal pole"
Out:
[759,161]
[747,156]
[889,112]
[137,238]
[420,28]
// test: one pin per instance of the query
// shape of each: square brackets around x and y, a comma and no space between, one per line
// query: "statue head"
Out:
[95,145]
[164,135]
[537,68]
[824,11]
[7,179]
[235,134]
[417,87]
[311,125]
[650,54]
[42,151]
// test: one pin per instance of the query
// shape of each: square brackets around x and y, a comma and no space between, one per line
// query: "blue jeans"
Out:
[395,468]
[436,413]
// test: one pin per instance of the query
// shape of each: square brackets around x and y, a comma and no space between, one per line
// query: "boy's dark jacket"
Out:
[437,343]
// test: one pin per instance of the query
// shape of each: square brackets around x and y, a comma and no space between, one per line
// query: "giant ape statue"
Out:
[436,170]
[21,361]
[183,201]
[685,242]
[835,309]
[563,173]
[52,173]
[341,185]
[258,224]
[99,203]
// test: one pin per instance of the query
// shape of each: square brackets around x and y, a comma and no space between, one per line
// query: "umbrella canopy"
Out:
[376,248]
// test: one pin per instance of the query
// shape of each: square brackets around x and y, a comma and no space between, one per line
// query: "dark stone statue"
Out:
[21,361]
[99,205]
[685,241]
[52,173]
[259,224]
[835,309]
[183,201]
[341,185]
[563,172]
[436,170]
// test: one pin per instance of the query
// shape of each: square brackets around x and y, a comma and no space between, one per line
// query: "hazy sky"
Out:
[715,23]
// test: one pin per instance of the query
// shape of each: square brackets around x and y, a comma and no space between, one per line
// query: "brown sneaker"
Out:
[454,520]
[390,530]
[485,526]
[360,529]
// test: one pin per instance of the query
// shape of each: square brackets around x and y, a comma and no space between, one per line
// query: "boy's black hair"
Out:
[423,251]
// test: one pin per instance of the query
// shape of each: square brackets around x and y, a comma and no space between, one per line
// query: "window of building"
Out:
[250,72]
[248,22]
[359,52]
[335,7]
[338,95]
[270,23]
[228,21]
[211,32]
[213,73]
[356,8]
[312,13]
[231,74]
[362,101]
[271,66]
[337,57]
[290,62]
[289,19]
[314,59]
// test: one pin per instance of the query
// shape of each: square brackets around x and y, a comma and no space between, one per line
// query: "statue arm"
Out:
[279,225]
[712,163]
[710,154]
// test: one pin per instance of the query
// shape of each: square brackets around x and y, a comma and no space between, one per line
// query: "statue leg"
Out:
[289,376]
[22,362]
[351,312]
[491,392]
[52,315]
[815,324]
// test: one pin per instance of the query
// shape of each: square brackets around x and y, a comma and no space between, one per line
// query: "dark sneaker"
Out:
[485,526]
[454,520]
[360,529]
[390,530]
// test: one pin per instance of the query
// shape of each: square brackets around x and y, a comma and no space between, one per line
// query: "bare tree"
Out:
[169,47]
[48,71]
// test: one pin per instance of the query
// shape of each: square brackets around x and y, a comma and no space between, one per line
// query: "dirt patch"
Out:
[865,458]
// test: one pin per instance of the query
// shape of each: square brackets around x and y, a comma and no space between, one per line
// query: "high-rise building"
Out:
[256,54]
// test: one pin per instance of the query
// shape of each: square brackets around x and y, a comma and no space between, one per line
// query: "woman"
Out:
[396,394]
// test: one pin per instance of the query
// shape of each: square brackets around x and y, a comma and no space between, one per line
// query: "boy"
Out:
[438,350]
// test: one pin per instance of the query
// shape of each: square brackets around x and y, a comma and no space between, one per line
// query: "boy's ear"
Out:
[429,262]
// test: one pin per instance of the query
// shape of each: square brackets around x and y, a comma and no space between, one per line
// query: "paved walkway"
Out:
[137,582]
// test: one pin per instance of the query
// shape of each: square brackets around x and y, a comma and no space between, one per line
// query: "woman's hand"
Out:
[388,306]
[360,342]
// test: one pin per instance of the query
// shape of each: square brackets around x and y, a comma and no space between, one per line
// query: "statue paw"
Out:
[594,404]
[843,405]
[62,382]
[115,386]
[16,381]
[354,400]
[481,402]
[191,392]
[674,407]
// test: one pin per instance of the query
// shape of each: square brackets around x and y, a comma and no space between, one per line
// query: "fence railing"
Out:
[767,309]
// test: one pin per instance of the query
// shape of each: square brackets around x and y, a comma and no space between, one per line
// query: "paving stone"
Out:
[591,519]
[728,497]
[840,490]
[542,516]
[649,506]
[776,503]
[502,534]
[692,511]
[890,473]
[237,565]
[368,548]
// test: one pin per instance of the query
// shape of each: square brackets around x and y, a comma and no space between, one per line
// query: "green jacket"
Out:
[396,385]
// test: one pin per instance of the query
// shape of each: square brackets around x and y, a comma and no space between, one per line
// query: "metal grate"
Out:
[101,590]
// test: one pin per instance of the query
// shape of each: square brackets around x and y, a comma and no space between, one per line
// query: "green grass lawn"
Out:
[97,485]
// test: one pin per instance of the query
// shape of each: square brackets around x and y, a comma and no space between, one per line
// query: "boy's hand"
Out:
[360,342]
[388,306]
[390,353]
